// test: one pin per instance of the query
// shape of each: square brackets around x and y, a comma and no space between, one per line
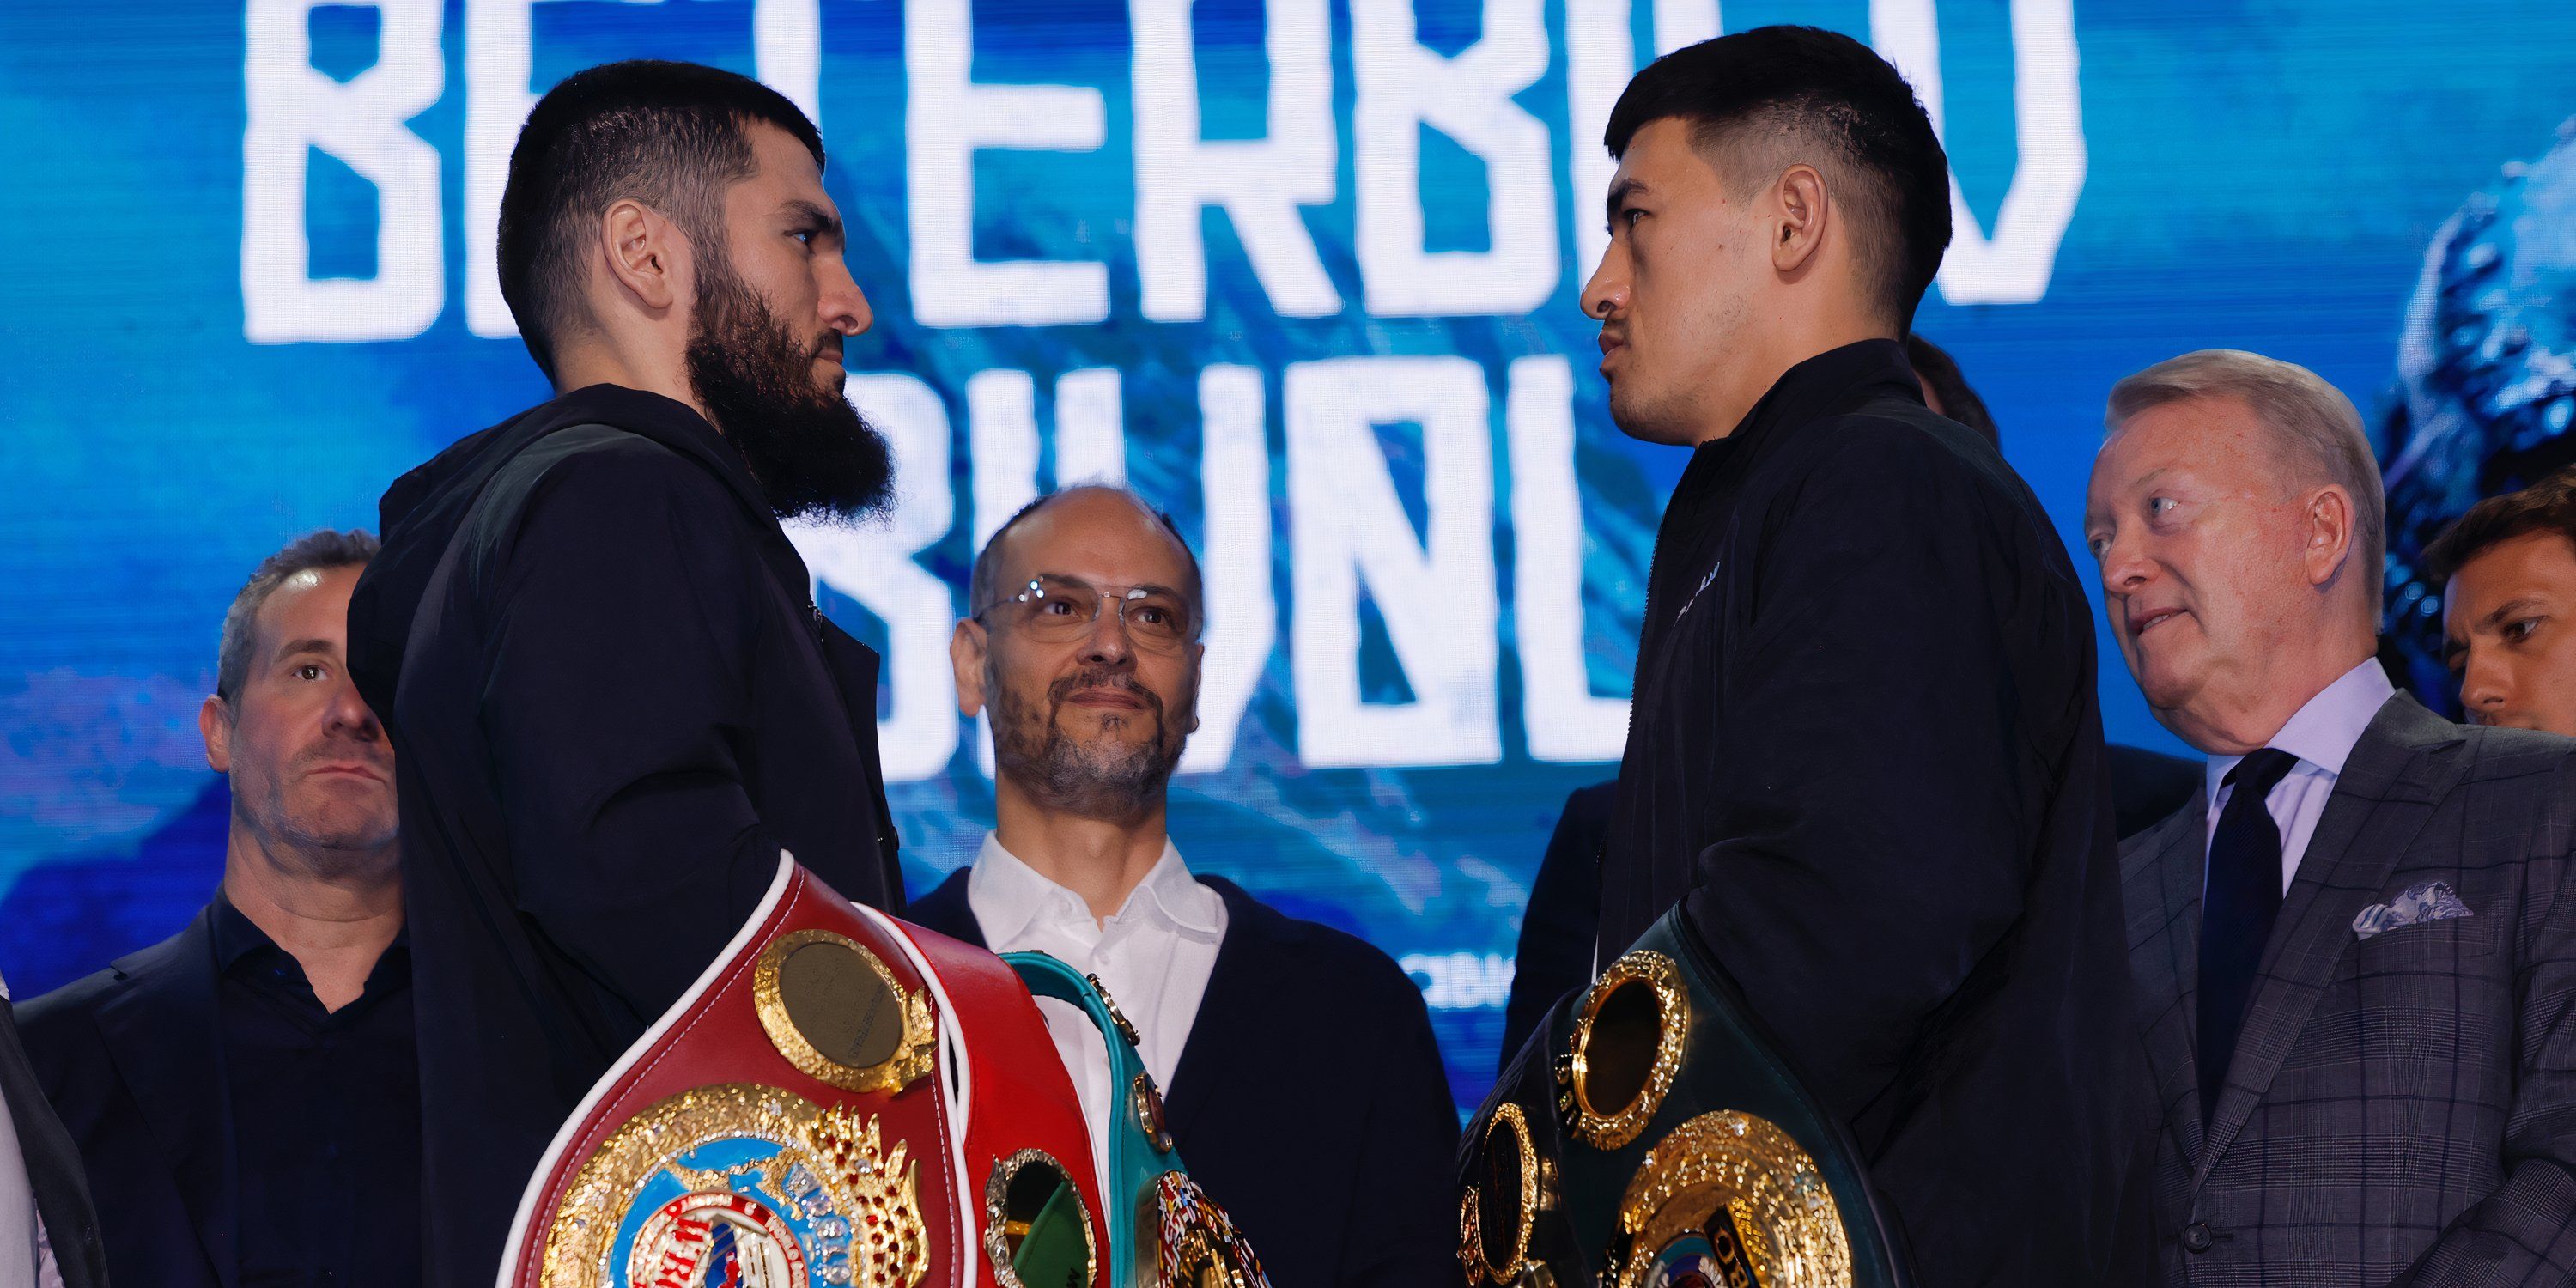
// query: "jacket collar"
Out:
[1826,384]
[162,1030]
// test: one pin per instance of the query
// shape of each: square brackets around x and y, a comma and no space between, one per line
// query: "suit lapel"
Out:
[2161,882]
[2389,788]
[163,1033]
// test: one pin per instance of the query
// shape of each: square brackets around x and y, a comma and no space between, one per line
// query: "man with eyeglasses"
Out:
[1303,1087]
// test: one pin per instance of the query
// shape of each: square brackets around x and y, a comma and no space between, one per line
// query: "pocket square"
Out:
[2424,901]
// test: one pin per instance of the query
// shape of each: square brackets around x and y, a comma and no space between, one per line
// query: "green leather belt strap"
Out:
[1140,1148]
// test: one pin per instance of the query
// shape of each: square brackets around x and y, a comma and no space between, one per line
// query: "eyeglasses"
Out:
[1060,610]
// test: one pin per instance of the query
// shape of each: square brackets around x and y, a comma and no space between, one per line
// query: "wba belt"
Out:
[840,1099]
[1651,1137]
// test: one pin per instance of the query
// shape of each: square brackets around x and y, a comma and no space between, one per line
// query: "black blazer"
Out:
[1309,1100]
[144,1032]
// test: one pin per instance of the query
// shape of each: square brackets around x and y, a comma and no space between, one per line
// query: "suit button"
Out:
[2196,1236]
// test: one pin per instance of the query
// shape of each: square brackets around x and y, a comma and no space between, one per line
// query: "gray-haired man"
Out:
[245,1094]
[2355,952]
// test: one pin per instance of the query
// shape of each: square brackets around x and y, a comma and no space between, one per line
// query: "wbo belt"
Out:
[840,1099]
[1651,1136]
[1162,1228]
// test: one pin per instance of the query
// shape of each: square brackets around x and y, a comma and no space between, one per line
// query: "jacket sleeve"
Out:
[615,684]
[1404,1210]
[1878,800]
[2523,1232]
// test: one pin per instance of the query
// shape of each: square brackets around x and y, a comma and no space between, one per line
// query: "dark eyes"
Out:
[1056,607]
[1151,614]
[309,671]
[2520,629]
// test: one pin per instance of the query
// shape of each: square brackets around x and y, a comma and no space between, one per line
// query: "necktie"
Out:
[2237,911]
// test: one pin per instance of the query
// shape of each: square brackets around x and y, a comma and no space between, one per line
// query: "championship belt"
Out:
[1653,1138]
[1163,1229]
[840,1099]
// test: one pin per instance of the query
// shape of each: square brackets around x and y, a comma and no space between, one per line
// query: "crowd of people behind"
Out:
[505,783]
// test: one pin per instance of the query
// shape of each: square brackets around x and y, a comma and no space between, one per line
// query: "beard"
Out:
[1104,778]
[811,452]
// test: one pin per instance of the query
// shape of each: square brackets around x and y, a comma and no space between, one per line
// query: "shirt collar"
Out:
[1008,894]
[236,935]
[2323,732]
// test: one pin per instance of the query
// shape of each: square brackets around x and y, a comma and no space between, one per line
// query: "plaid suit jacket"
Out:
[2402,1108]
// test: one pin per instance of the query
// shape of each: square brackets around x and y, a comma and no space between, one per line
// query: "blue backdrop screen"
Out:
[1303,271]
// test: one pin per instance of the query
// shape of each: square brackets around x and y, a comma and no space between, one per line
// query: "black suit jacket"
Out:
[1559,928]
[132,1058]
[1309,1100]
[612,703]
[1867,762]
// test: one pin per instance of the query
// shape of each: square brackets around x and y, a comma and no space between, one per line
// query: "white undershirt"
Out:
[2322,735]
[1153,958]
[26,1259]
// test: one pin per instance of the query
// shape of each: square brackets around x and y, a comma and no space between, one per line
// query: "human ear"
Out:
[642,253]
[2329,516]
[966,647]
[215,725]
[1798,218]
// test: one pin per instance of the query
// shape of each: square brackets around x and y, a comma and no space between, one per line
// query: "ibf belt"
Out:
[1651,1137]
[840,1099]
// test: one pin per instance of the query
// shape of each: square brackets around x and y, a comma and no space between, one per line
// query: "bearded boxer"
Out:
[612,699]
[1084,647]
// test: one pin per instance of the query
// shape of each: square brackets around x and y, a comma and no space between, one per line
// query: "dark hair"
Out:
[312,552]
[671,135]
[1806,94]
[980,586]
[1940,374]
[2546,506]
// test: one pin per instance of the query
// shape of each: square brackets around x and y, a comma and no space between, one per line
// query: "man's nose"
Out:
[2125,566]
[1606,292]
[1107,643]
[349,713]
[2486,684]
[845,306]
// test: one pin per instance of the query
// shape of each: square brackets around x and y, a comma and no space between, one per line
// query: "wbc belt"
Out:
[840,1099]
[1163,1229]
[1652,1137]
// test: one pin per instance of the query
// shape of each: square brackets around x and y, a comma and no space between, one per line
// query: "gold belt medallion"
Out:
[1729,1199]
[741,1184]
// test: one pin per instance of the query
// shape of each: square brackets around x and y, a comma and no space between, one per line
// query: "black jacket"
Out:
[1309,1099]
[53,1165]
[612,703]
[1564,916]
[1867,759]
[133,1059]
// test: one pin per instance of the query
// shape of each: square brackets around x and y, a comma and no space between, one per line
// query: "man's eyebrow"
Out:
[824,221]
[2509,609]
[1620,191]
[316,644]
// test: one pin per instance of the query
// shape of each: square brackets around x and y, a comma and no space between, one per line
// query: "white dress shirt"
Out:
[1154,957]
[2322,735]
[26,1261]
